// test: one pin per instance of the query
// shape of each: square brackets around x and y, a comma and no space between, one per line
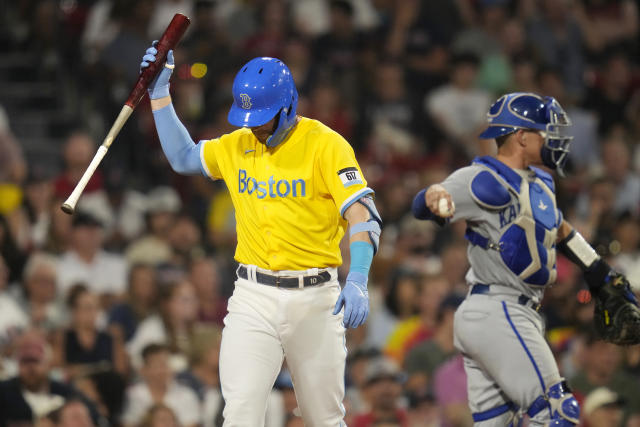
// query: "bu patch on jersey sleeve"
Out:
[350,176]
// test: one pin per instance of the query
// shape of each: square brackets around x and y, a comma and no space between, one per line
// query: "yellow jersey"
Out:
[290,199]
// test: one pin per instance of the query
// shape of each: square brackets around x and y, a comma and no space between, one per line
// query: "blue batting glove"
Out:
[159,87]
[355,299]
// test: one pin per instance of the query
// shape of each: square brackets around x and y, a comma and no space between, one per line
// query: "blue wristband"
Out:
[159,92]
[421,210]
[361,257]
[419,206]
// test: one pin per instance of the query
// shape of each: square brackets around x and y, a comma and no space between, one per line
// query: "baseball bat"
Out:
[168,41]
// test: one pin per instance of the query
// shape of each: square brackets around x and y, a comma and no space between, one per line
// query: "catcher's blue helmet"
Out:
[522,110]
[262,89]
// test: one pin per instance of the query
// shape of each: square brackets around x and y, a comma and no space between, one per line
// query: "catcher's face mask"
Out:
[523,110]
[556,137]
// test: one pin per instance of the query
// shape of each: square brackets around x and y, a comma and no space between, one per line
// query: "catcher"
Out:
[514,229]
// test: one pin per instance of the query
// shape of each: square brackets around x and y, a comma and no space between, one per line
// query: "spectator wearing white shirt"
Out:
[159,386]
[160,415]
[458,107]
[163,204]
[86,261]
[38,296]
[203,376]
[174,325]
[603,407]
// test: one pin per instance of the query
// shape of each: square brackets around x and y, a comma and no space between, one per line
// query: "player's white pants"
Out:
[266,324]
[507,360]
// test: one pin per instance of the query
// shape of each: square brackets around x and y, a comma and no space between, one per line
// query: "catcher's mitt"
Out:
[616,314]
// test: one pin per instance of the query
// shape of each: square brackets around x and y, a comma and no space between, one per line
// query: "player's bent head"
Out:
[265,99]
[262,88]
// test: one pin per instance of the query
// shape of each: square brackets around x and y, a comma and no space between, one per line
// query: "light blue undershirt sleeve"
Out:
[183,154]
[361,258]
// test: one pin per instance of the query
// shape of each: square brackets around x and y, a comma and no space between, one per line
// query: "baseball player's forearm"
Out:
[361,258]
[357,213]
[159,103]
[364,223]
[427,206]
[183,154]
[360,242]
[564,230]
[421,209]
[571,244]
[363,244]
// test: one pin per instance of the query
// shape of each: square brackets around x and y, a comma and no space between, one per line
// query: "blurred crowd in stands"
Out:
[113,316]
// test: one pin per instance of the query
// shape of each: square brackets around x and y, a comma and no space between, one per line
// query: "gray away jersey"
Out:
[487,265]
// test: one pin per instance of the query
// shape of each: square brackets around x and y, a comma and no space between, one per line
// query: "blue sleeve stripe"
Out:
[350,183]
[351,200]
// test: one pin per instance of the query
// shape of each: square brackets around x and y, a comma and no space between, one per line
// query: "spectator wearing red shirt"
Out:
[205,275]
[78,151]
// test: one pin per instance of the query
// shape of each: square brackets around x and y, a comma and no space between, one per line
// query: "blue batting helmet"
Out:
[263,89]
[521,110]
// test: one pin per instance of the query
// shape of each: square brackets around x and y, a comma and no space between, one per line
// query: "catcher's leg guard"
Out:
[561,404]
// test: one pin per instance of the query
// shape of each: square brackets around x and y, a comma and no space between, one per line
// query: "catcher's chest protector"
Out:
[528,224]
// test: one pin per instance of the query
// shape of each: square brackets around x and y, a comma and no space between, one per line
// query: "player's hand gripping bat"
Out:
[168,41]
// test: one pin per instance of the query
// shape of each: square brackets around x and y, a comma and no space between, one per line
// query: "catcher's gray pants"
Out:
[507,361]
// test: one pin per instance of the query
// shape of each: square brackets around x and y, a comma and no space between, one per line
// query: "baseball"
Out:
[443,208]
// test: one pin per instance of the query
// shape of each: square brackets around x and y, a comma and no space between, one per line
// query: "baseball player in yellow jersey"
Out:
[295,186]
